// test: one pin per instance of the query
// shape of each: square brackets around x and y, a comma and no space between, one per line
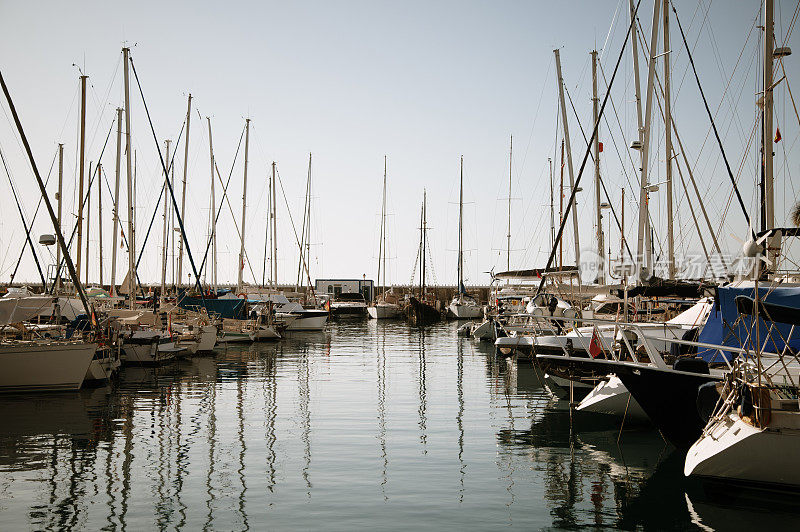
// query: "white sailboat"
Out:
[39,365]
[463,306]
[385,306]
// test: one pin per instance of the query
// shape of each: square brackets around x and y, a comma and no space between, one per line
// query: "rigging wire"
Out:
[24,225]
[588,148]
[711,117]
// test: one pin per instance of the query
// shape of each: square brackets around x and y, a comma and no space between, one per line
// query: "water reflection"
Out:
[298,434]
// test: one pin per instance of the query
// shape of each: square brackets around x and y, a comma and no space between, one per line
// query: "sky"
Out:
[421,83]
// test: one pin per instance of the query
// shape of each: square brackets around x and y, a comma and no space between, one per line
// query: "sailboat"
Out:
[420,311]
[463,306]
[385,306]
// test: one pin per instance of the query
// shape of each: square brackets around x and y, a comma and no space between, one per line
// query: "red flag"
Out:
[777,134]
[600,146]
[594,347]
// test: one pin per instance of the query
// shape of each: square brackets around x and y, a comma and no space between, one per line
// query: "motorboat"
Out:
[349,305]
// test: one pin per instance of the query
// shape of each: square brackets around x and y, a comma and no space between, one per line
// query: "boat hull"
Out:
[464,312]
[44,366]
[308,321]
[733,450]
[421,313]
[383,312]
[612,398]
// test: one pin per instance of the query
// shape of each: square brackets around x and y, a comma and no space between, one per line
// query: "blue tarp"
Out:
[722,327]
[226,308]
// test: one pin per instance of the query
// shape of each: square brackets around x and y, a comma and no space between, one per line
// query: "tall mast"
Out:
[510,166]
[183,193]
[382,237]
[644,249]
[561,208]
[274,217]
[212,213]
[308,223]
[668,145]
[88,221]
[81,162]
[565,125]
[131,195]
[305,233]
[552,210]
[424,237]
[768,207]
[165,235]
[599,213]
[60,189]
[244,202]
[115,225]
[460,227]
[99,221]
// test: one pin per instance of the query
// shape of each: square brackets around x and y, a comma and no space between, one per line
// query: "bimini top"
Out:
[727,326]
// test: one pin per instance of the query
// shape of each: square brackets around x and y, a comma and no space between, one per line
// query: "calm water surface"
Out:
[367,425]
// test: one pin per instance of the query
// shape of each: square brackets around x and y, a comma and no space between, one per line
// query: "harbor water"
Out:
[367,425]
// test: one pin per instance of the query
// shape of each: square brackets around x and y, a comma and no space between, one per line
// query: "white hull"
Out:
[515,343]
[102,369]
[560,387]
[154,352]
[264,332]
[207,339]
[307,323]
[229,337]
[464,312]
[484,331]
[612,398]
[44,366]
[383,311]
[731,449]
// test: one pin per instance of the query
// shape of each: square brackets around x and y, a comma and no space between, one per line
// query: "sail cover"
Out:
[18,309]
[726,326]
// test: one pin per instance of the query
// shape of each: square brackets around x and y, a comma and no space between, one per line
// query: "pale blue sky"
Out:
[420,82]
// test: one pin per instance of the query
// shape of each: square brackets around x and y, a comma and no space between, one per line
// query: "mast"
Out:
[244,203]
[59,198]
[165,235]
[81,162]
[461,229]
[88,221]
[131,195]
[183,193]
[274,217]
[99,221]
[212,217]
[423,236]
[644,249]
[115,226]
[565,125]
[552,210]
[561,209]
[508,235]
[382,237]
[305,233]
[768,207]
[601,277]
[668,145]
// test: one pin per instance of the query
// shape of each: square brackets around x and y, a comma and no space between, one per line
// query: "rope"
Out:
[711,118]
[24,225]
[171,192]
